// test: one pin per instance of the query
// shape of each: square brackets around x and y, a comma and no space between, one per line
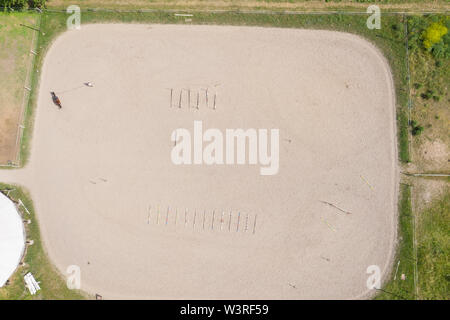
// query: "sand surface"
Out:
[98,164]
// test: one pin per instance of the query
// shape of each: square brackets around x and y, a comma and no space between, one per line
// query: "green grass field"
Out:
[432,232]
[433,250]
[396,288]
[278,5]
[15,59]
[430,77]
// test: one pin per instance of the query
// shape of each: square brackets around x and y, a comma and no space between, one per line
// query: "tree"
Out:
[36,3]
[433,34]
[12,4]
[20,4]
[440,50]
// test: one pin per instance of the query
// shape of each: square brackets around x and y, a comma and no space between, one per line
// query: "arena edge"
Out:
[388,39]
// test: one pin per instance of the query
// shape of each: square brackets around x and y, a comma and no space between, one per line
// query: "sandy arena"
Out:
[100,168]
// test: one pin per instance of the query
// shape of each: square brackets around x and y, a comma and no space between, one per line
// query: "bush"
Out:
[36,3]
[417,130]
[440,50]
[436,98]
[430,33]
[433,34]
[20,4]
[427,94]
[12,4]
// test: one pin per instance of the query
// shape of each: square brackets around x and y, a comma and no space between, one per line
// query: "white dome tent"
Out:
[12,238]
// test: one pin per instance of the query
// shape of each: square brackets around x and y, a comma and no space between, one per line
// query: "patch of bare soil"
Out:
[425,190]
[9,110]
[8,128]
[431,155]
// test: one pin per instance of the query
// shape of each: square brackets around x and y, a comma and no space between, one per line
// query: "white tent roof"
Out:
[12,238]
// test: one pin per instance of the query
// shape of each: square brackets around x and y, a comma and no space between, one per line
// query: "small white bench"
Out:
[31,283]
